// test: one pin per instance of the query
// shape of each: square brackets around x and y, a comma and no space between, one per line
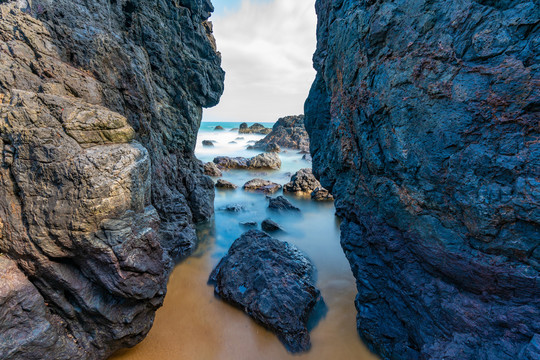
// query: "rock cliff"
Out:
[424,124]
[100,104]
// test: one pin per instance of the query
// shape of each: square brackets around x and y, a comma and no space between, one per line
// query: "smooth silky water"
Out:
[193,324]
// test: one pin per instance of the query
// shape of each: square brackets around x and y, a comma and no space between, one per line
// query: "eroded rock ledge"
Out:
[423,121]
[100,103]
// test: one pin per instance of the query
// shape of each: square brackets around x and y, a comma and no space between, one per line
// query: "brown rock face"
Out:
[99,110]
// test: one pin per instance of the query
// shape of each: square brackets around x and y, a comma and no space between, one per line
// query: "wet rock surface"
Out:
[225,185]
[269,161]
[280,203]
[422,119]
[208,143]
[261,185]
[288,132]
[273,282]
[99,111]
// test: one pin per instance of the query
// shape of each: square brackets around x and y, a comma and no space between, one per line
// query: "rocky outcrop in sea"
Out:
[423,121]
[100,104]
[288,132]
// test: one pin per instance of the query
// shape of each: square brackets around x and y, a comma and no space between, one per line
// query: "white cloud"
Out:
[266,50]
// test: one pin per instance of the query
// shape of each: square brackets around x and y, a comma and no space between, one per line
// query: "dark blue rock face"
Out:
[424,124]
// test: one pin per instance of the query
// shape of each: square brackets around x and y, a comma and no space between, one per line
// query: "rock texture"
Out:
[261,185]
[225,185]
[273,282]
[253,129]
[269,225]
[423,121]
[288,132]
[302,183]
[280,203]
[211,169]
[269,161]
[99,110]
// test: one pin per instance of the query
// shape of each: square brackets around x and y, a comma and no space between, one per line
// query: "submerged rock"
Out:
[211,169]
[260,185]
[209,143]
[302,183]
[225,185]
[234,208]
[422,119]
[219,128]
[249,224]
[273,282]
[269,225]
[288,132]
[280,203]
[261,161]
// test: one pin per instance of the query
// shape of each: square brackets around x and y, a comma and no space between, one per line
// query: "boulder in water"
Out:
[269,225]
[208,143]
[260,185]
[273,282]
[225,185]
[219,128]
[280,203]
[302,183]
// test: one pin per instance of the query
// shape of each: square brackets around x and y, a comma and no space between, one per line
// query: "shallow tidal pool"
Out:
[193,324]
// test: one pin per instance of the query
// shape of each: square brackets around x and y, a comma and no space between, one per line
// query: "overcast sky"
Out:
[266,48]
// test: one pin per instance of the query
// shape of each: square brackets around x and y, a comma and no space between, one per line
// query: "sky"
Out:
[266,48]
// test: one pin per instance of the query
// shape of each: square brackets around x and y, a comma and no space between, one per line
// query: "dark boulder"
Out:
[219,128]
[423,121]
[260,185]
[211,169]
[280,203]
[273,282]
[270,226]
[208,143]
[288,132]
[225,185]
